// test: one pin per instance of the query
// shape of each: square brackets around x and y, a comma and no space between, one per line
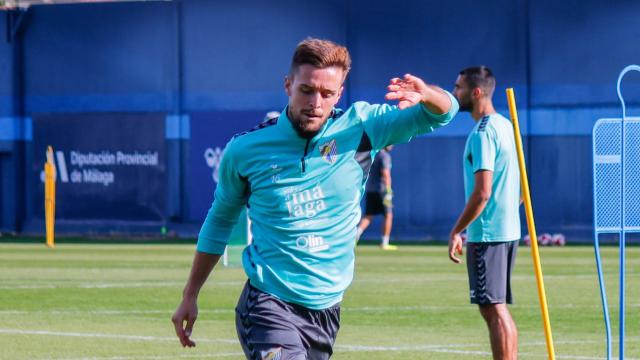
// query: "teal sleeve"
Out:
[386,124]
[483,151]
[229,200]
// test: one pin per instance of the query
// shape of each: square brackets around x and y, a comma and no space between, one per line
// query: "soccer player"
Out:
[302,175]
[378,199]
[491,217]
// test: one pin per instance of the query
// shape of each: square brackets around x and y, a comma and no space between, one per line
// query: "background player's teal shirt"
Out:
[491,146]
[304,197]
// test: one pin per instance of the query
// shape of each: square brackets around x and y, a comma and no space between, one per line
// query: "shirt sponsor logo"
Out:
[312,243]
[329,151]
[305,204]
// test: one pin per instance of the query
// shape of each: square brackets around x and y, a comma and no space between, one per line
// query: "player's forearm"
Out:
[386,179]
[217,226]
[476,204]
[436,100]
[202,266]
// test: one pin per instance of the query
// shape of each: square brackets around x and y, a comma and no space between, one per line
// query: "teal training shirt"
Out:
[491,146]
[304,197]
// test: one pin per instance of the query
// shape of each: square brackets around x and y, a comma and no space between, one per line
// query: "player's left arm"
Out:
[483,149]
[421,109]
[231,196]
[475,206]
[385,170]
[386,178]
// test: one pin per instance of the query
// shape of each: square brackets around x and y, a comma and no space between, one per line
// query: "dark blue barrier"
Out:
[109,166]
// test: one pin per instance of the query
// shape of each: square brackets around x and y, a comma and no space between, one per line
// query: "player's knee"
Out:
[490,312]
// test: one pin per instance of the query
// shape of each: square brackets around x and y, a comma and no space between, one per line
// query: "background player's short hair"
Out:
[480,77]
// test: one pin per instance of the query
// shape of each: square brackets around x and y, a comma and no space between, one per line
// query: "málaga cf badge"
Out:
[329,151]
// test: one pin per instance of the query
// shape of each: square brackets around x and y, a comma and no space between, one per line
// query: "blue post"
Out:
[603,295]
[623,210]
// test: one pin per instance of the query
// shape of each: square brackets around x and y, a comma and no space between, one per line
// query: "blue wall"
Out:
[236,54]
[105,57]
[214,66]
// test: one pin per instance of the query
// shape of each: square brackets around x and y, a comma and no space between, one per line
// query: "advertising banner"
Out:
[108,166]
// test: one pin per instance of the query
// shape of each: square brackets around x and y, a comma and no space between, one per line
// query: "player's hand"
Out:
[408,91]
[455,247]
[183,320]
[387,199]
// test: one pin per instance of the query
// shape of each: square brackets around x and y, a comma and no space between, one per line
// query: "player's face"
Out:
[462,93]
[313,92]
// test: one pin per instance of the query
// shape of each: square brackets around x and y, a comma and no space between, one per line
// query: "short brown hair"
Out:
[321,54]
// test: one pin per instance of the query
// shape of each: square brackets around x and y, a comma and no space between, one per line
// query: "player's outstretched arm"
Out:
[187,312]
[411,90]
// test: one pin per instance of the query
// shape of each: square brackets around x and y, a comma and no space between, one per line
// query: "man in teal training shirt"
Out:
[302,175]
[491,215]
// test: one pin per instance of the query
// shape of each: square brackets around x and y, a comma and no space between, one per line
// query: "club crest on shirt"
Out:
[271,354]
[329,151]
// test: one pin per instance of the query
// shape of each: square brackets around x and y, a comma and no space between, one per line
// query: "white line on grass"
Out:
[109,336]
[462,306]
[230,283]
[230,311]
[455,349]
[151,357]
[434,348]
[157,284]
[107,312]
[430,279]
[112,285]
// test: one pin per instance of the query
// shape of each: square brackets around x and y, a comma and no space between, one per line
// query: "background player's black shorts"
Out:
[374,204]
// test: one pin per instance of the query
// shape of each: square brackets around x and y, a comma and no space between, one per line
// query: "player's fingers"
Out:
[453,247]
[394,95]
[412,79]
[395,81]
[416,81]
[394,87]
[177,324]
[188,342]
[189,328]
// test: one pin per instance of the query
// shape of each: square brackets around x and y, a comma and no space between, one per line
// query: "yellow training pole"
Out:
[524,182]
[49,197]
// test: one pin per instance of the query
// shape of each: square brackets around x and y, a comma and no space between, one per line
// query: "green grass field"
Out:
[113,302]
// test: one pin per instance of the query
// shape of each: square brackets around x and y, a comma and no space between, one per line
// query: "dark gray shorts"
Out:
[489,266]
[269,328]
[374,204]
